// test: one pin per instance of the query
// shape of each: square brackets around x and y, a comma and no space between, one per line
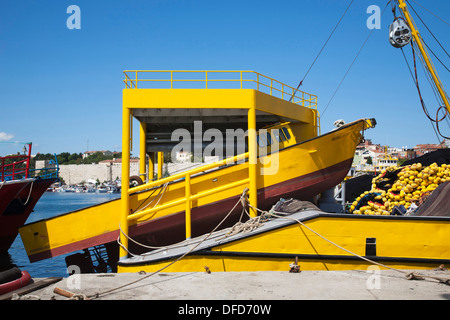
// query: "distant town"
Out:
[375,157]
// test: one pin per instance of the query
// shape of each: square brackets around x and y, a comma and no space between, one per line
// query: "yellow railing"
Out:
[188,198]
[217,79]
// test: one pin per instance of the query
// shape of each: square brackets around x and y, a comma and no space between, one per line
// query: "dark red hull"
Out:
[17,200]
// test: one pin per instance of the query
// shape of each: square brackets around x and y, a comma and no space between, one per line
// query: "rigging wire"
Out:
[346,73]
[435,120]
[416,84]
[431,12]
[436,56]
[427,28]
[317,56]
[348,70]
[430,80]
[442,47]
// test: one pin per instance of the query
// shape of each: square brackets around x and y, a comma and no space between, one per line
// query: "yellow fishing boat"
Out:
[291,160]
[308,239]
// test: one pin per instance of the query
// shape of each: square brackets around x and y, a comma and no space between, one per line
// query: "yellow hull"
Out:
[305,170]
[400,242]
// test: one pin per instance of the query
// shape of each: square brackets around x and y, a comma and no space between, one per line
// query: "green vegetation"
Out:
[74,158]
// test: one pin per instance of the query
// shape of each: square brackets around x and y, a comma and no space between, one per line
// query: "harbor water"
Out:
[49,205]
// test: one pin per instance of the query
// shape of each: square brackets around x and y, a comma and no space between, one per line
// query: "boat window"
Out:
[276,134]
[262,140]
[279,135]
[286,133]
[269,138]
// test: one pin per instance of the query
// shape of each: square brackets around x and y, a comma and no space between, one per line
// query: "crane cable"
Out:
[442,47]
[351,65]
[435,120]
[430,12]
[317,56]
[421,100]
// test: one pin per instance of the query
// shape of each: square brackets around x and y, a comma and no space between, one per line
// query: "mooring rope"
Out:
[29,194]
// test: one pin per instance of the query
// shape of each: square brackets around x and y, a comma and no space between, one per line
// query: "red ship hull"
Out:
[17,200]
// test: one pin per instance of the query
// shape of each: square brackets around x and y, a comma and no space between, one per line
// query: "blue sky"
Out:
[62,89]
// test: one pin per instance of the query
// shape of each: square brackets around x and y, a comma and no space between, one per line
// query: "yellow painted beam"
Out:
[271,104]
[188,98]
[142,151]
[253,157]
[125,199]
[187,184]
[160,164]
[216,98]
[151,166]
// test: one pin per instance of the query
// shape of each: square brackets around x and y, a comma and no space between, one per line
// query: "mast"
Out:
[418,39]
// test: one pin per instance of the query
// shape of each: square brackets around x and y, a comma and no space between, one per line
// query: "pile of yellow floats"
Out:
[398,186]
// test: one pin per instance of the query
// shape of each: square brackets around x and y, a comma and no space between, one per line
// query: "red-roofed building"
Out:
[421,149]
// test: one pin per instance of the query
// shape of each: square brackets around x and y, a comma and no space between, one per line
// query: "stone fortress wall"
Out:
[75,174]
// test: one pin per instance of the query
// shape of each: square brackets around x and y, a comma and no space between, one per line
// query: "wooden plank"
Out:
[31,287]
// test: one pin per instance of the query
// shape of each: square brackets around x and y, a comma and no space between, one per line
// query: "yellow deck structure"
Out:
[242,107]
[164,101]
[400,242]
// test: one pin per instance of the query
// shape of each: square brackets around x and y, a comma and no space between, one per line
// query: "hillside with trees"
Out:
[73,158]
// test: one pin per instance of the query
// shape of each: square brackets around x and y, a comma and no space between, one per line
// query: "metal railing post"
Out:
[142,151]
[136,85]
[241,79]
[252,160]
[187,182]
[125,198]
[160,164]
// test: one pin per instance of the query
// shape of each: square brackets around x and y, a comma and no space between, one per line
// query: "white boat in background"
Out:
[65,189]
[113,189]
[102,189]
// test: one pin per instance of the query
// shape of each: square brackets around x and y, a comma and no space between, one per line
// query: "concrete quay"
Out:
[306,285]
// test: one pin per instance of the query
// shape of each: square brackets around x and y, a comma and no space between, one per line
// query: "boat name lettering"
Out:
[336,138]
